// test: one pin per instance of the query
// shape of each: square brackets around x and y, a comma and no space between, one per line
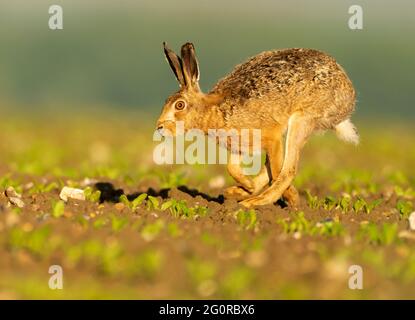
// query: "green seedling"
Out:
[133,205]
[148,264]
[370,206]
[36,241]
[312,201]
[372,187]
[298,224]
[138,201]
[407,193]
[152,230]
[110,258]
[123,199]
[344,204]
[179,208]
[330,228]
[399,178]
[100,223]
[152,203]
[176,207]
[247,219]
[118,223]
[174,230]
[110,172]
[82,221]
[361,204]
[6,182]
[58,209]
[92,195]
[17,210]
[385,234]
[44,188]
[237,281]
[209,239]
[329,203]
[105,257]
[200,271]
[405,208]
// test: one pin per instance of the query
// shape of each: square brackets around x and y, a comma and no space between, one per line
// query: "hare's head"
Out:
[189,103]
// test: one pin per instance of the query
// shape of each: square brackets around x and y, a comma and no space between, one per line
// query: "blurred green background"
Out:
[109,54]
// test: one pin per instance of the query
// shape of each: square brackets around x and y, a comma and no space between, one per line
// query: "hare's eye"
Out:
[180,105]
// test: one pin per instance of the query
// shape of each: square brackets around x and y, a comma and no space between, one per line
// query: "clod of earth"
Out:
[72,193]
[412,221]
[13,197]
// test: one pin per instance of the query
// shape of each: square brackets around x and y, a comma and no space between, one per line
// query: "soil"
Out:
[109,250]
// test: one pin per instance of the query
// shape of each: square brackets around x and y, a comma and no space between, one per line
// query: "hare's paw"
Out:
[292,197]
[255,201]
[236,192]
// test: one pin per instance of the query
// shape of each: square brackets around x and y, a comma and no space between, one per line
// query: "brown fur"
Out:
[296,91]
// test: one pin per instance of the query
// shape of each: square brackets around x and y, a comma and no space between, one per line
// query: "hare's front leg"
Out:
[299,129]
[248,186]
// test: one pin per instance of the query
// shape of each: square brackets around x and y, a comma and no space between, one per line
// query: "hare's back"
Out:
[277,72]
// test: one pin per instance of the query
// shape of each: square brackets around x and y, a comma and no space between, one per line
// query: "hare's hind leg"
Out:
[275,158]
[299,129]
[249,186]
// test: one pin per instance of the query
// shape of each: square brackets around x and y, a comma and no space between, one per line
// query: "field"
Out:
[147,231]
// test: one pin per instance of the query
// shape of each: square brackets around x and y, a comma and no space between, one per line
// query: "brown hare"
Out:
[290,92]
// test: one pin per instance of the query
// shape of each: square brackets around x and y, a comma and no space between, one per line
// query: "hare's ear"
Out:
[190,65]
[176,64]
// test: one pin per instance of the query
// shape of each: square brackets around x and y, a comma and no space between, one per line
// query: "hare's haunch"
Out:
[293,92]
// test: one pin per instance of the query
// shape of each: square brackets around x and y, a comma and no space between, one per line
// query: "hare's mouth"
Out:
[163,131]
[160,129]
[166,129]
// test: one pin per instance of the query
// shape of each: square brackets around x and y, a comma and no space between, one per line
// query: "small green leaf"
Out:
[405,208]
[91,195]
[359,204]
[123,199]
[152,203]
[139,200]
[118,223]
[58,209]
[329,203]
[312,201]
[344,204]
[166,205]
[372,205]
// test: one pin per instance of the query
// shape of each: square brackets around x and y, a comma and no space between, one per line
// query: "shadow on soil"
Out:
[110,194]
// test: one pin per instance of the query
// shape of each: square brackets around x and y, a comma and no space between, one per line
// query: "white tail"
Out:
[346,131]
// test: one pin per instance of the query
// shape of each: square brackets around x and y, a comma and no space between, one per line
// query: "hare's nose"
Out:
[160,128]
